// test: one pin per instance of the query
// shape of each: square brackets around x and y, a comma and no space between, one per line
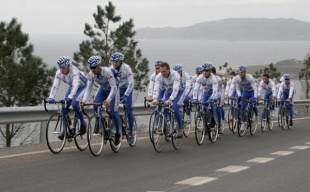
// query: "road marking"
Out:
[195,181]
[307,143]
[233,169]
[300,147]
[260,160]
[282,153]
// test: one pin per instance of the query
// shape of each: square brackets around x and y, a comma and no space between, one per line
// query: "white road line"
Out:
[308,143]
[260,160]
[233,169]
[195,181]
[300,147]
[282,153]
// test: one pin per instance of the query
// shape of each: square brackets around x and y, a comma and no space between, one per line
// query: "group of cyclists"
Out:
[116,85]
[173,87]
[178,87]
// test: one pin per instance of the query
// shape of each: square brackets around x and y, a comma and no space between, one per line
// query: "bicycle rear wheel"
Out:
[95,135]
[111,131]
[242,126]
[283,119]
[230,119]
[199,128]
[176,141]
[264,119]
[54,128]
[80,140]
[158,133]
[235,120]
[269,121]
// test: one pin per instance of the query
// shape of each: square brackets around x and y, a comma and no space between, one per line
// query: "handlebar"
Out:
[56,102]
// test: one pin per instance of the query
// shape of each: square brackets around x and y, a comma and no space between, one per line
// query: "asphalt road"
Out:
[269,161]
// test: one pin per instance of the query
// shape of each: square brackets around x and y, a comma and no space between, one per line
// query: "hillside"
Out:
[234,29]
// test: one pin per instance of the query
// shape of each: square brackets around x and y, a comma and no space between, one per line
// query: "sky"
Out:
[70,16]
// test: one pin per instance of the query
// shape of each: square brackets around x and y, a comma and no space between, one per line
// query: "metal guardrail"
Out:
[10,115]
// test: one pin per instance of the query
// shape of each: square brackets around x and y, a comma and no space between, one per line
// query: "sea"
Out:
[189,53]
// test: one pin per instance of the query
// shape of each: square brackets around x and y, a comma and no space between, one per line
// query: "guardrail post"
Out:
[43,132]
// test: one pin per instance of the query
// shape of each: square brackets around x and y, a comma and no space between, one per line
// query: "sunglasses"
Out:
[93,67]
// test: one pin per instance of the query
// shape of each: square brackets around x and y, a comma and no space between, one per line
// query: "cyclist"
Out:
[185,83]
[220,100]
[278,87]
[247,83]
[208,83]
[286,92]
[270,91]
[152,80]
[106,92]
[172,92]
[125,81]
[76,80]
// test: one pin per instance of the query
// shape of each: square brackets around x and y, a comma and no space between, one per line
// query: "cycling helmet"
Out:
[63,61]
[117,56]
[286,76]
[242,68]
[93,61]
[237,71]
[177,67]
[157,63]
[207,66]
[198,69]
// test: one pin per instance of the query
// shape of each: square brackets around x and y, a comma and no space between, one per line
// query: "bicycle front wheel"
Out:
[264,120]
[252,123]
[152,118]
[230,119]
[80,140]
[176,140]
[213,133]
[55,126]
[269,121]
[95,135]
[242,125]
[111,131]
[186,123]
[158,133]
[199,128]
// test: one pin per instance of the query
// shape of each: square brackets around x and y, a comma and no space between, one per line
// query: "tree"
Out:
[304,76]
[24,79]
[271,70]
[103,41]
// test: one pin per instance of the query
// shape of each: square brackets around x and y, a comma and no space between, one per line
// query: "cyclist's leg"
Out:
[75,105]
[165,98]
[129,112]
[113,108]
[98,99]
[255,104]
[176,107]
[291,109]
[186,103]
[243,104]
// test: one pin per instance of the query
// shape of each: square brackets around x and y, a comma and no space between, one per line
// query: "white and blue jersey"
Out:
[287,90]
[124,78]
[74,78]
[270,88]
[247,84]
[207,85]
[105,79]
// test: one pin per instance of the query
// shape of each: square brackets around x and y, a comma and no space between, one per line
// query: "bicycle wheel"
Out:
[152,118]
[199,128]
[230,119]
[176,141]
[283,119]
[158,135]
[252,123]
[213,132]
[80,140]
[111,131]
[280,117]
[264,119]
[269,121]
[235,120]
[186,123]
[242,126]
[95,135]
[287,119]
[54,127]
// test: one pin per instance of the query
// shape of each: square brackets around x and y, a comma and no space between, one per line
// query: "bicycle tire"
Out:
[111,131]
[53,130]
[80,140]
[158,133]
[199,128]
[152,118]
[213,131]
[264,119]
[95,135]
[186,123]
[252,123]
[270,120]
[240,122]
[176,141]
[230,119]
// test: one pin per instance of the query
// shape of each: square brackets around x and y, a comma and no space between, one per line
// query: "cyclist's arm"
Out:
[112,83]
[215,87]
[292,89]
[151,85]
[158,81]
[280,92]
[196,89]
[55,86]
[260,87]
[176,86]
[90,83]
[254,85]
[188,84]
[75,83]
[273,89]
[131,82]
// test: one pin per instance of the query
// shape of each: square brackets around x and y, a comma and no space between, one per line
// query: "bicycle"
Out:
[203,121]
[100,130]
[247,115]
[266,117]
[186,120]
[125,128]
[283,115]
[59,123]
[162,131]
